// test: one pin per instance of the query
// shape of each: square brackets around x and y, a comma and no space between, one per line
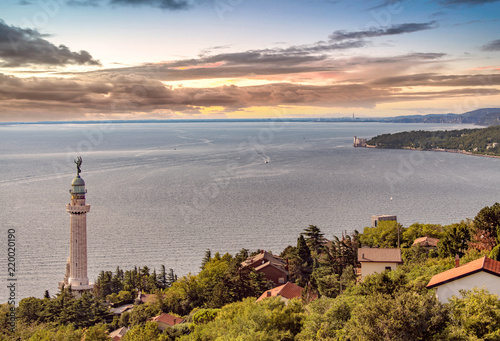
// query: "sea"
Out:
[164,193]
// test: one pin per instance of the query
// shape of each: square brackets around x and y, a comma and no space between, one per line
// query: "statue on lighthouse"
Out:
[78,162]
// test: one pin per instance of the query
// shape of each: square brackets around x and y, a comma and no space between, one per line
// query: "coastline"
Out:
[456,151]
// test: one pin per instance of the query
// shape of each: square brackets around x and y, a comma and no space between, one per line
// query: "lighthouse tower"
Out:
[76,266]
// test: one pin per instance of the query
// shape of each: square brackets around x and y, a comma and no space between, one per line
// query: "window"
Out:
[281,280]
[388,268]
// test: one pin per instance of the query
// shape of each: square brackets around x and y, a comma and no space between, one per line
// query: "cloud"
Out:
[435,80]
[492,46]
[163,4]
[341,35]
[22,47]
[113,94]
[450,3]
[466,2]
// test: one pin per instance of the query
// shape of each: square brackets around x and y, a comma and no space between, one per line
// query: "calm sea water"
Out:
[163,193]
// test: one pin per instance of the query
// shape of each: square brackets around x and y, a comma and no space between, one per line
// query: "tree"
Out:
[326,317]
[29,309]
[315,239]
[417,230]
[455,240]
[171,277]
[486,228]
[206,259]
[270,319]
[385,235]
[326,281]
[475,315]
[99,332]
[408,316]
[344,252]
[162,278]
[144,332]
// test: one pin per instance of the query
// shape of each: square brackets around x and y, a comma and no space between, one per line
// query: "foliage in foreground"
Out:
[218,302]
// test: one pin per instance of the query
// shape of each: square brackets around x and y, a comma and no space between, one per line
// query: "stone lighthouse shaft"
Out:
[76,267]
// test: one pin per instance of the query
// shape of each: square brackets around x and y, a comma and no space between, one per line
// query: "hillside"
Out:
[484,117]
[484,141]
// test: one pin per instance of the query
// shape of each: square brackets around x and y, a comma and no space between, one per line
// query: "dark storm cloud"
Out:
[21,47]
[492,46]
[378,32]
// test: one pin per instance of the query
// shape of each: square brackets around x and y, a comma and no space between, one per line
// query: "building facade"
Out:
[378,260]
[480,273]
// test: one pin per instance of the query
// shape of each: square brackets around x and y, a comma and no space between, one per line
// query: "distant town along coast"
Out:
[482,141]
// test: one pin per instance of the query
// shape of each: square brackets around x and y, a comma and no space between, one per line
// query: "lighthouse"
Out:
[76,266]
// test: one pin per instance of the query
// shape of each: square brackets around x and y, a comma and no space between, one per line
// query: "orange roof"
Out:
[426,241]
[485,264]
[379,255]
[168,319]
[288,290]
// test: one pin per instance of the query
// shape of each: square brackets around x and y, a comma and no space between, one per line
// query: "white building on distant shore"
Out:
[358,142]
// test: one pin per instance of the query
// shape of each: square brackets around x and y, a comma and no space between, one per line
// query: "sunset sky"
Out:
[186,59]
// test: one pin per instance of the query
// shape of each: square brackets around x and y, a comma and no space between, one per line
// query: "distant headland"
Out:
[482,117]
[484,142]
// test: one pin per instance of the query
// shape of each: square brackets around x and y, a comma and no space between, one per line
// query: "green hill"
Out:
[484,141]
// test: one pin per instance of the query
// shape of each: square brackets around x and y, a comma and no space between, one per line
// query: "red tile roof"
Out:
[379,255]
[485,264]
[288,290]
[426,241]
[168,319]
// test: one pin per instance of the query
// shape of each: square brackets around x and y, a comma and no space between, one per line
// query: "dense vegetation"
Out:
[479,141]
[219,302]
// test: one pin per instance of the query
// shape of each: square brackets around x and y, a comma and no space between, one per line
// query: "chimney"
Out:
[457,261]
[287,264]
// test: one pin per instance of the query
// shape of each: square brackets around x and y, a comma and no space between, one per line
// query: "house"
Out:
[121,309]
[117,334]
[482,272]
[145,298]
[285,292]
[383,217]
[273,267]
[378,260]
[427,242]
[166,320]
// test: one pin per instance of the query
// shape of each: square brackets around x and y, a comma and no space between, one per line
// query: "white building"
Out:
[481,273]
[76,266]
[378,260]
